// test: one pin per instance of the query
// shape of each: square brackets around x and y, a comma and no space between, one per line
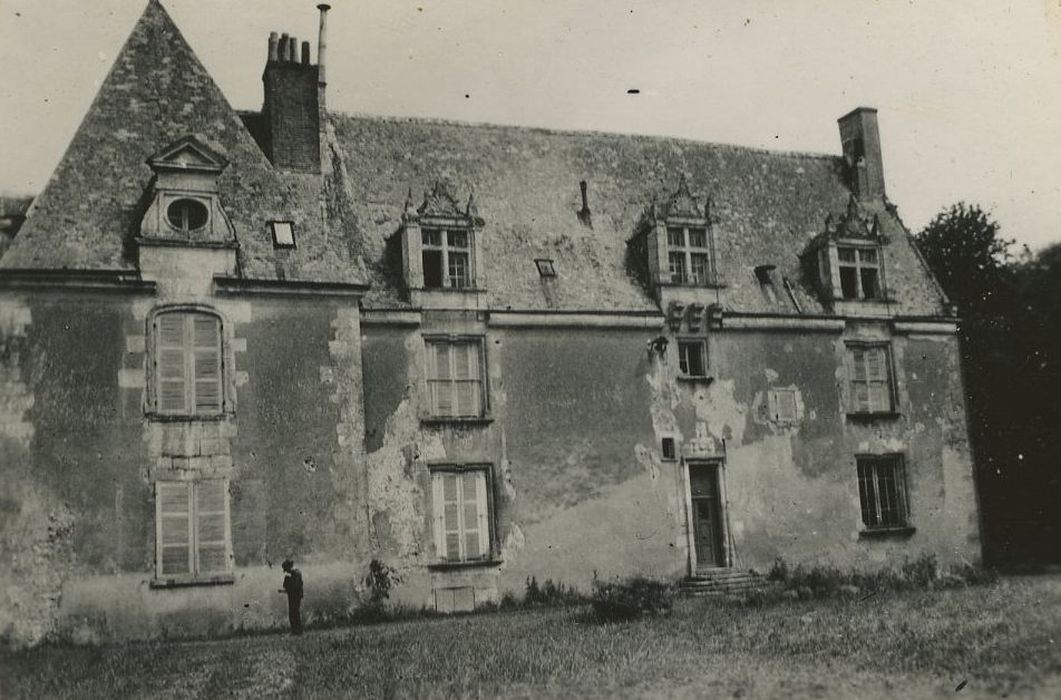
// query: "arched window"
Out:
[188,363]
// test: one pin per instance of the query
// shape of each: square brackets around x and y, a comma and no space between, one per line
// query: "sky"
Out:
[968,91]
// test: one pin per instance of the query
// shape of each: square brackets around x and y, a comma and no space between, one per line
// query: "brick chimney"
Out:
[293,112]
[860,138]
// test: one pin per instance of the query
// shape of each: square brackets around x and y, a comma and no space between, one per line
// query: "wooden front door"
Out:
[707,515]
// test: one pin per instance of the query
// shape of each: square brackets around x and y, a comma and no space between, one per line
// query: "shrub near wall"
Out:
[630,598]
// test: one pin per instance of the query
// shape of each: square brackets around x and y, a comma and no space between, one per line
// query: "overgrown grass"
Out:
[999,638]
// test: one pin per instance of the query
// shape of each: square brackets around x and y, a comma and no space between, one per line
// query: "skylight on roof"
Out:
[283,234]
[545,267]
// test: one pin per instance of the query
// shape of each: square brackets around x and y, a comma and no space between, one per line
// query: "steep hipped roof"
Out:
[156,93]
[766,207]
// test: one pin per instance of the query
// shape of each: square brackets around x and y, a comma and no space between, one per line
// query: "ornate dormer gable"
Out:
[681,241]
[185,205]
[441,242]
[850,256]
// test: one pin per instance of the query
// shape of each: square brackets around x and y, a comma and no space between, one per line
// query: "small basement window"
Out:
[692,358]
[283,234]
[545,267]
[187,215]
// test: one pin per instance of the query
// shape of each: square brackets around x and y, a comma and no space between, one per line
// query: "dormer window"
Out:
[441,246]
[859,272]
[850,255]
[185,202]
[446,258]
[680,241]
[187,215]
[688,255]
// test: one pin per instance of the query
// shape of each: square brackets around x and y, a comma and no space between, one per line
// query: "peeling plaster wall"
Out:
[579,483]
[80,458]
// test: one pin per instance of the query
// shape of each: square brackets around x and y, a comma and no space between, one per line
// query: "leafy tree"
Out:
[1009,313]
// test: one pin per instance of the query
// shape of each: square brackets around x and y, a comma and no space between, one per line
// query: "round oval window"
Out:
[187,215]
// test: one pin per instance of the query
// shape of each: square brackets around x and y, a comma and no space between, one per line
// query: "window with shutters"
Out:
[462,513]
[870,380]
[882,492]
[455,377]
[188,363]
[781,405]
[192,530]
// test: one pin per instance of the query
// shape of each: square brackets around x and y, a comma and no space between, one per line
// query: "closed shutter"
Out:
[878,392]
[466,369]
[170,363]
[442,403]
[470,516]
[173,506]
[859,387]
[212,526]
[206,349]
[451,516]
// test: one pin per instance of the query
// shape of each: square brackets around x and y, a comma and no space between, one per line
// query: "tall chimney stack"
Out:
[274,47]
[860,137]
[322,42]
[284,46]
[305,53]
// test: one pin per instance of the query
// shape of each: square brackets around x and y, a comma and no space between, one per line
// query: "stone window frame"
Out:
[892,513]
[685,252]
[829,270]
[486,514]
[446,249]
[153,408]
[429,414]
[853,409]
[195,574]
[277,243]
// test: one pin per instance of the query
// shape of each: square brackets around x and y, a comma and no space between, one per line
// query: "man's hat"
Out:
[287,565]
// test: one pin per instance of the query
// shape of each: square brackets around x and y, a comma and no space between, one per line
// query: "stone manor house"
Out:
[476,353]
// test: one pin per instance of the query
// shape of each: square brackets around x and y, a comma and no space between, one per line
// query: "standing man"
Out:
[293,589]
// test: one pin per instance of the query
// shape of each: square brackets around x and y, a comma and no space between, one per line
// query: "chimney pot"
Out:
[292,49]
[305,53]
[322,42]
[274,49]
[285,46]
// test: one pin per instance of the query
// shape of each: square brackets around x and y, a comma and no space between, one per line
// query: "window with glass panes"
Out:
[461,512]
[882,491]
[447,258]
[193,536]
[692,358]
[870,381]
[688,254]
[455,377]
[187,363]
[859,272]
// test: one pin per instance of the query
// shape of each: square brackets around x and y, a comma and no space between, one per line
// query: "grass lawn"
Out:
[1000,639]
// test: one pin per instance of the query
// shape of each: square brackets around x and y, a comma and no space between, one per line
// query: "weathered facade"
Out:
[230,338]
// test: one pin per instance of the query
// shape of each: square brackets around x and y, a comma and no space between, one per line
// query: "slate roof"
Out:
[156,93]
[767,206]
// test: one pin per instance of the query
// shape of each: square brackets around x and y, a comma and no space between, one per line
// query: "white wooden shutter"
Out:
[467,379]
[877,386]
[470,516]
[451,516]
[173,517]
[439,512]
[442,403]
[211,526]
[859,386]
[206,359]
[171,368]
[483,510]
